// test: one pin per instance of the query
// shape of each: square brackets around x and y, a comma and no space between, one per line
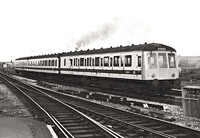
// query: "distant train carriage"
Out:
[48,64]
[147,68]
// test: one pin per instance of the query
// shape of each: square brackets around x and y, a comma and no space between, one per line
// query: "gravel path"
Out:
[10,105]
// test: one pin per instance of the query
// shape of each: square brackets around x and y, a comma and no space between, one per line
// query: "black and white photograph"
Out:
[99,69]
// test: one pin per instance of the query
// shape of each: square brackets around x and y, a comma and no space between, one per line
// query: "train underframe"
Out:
[153,87]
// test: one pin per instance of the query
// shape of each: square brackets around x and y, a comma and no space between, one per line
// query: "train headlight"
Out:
[173,75]
[153,75]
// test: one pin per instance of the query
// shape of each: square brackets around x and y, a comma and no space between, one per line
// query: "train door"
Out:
[137,59]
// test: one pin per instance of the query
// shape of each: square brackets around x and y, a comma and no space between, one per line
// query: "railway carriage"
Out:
[43,64]
[21,65]
[146,68]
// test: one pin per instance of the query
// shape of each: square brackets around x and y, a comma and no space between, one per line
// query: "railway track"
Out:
[166,99]
[130,120]
[68,122]
[176,92]
[125,123]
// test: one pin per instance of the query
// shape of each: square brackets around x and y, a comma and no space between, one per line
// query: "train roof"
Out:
[40,56]
[141,47]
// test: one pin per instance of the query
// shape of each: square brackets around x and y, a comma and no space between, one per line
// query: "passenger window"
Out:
[122,61]
[116,60]
[101,62]
[89,61]
[85,63]
[74,62]
[65,62]
[81,61]
[128,60]
[172,61]
[139,61]
[92,62]
[106,61]
[71,62]
[162,60]
[45,62]
[55,62]
[152,61]
[78,62]
[52,62]
[97,61]
[111,62]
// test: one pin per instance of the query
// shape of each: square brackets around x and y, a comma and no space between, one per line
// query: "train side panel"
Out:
[44,65]
[123,65]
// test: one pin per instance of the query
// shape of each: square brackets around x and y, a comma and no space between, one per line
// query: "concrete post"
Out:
[191,101]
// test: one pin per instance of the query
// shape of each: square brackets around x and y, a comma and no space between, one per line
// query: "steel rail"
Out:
[109,133]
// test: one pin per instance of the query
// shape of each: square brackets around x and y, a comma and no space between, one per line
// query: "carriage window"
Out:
[81,61]
[89,61]
[96,61]
[85,63]
[139,61]
[106,61]
[128,60]
[76,62]
[162,60]
[65,62]
[111,62]
[45,62]
[116,60]
[55,62]
[101,63]
[152,61]
[52,62]
[93,62]
[49,62]
[122,61]
[172,62]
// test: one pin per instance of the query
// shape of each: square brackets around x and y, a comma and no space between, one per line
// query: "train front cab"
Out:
[160,69]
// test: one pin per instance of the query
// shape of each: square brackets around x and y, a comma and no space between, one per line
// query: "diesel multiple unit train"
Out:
[147,68]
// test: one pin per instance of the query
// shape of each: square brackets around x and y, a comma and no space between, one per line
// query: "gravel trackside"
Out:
[10,105]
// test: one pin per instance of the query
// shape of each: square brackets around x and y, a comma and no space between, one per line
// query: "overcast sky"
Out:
[34,27]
